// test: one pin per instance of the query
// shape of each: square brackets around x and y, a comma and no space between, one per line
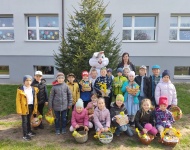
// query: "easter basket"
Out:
[50,117]
[81,136]
[176,112]
[132,91]
[170,137]
[86,86]
[35,119]
[145,139]
[121,119]
[106,137]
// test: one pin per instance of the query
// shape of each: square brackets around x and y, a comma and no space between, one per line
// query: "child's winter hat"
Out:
[163,100]
[79,103]
[38,73]
[156,67]
[109,70]
[131,73]
[166,72]
[60,74]
[27,77]
[142,67]
[84,73]
[120,97]
[120,70]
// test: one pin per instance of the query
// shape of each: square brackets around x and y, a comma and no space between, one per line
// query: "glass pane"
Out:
[126,34]
[32,35]
[48,21]
[49,35]
[173,21]
[184,35]
[181,70]
[107,20]
[6,22]
[145,21]
[48,70]
[127,21]
[144,35]
[31,21]
[4,70]
[6,34]
[185,22]
[173,34]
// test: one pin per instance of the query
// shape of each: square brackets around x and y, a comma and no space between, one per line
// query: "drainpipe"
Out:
[63,18]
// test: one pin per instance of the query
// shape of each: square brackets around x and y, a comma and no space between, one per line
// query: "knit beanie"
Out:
[79,103]
[120,97]
[27,77]
[120,70]
[60,74]
[131,73]
[166,72]
[163,101]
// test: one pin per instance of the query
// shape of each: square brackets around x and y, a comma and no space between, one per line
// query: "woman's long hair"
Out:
[123,60]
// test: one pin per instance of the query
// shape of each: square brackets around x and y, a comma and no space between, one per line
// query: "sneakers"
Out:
[31,133]
[57,132]
[63,131]
[27,138]
[41,126]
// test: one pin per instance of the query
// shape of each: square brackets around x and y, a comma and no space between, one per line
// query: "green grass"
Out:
[10,124]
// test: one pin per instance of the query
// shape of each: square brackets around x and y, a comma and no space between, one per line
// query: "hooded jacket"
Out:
[60,97]
[42,94]
[79,118]
[166,89]
[74,88]
[22,102]
[115,110]
[101,117]
[117,84]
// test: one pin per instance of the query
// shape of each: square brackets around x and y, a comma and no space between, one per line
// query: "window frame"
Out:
[133,28]
[5,76]
[50,76]
[181,76]
[178,28]
[8,28]
[38,28]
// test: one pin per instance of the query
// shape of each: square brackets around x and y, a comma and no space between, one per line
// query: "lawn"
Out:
[11,131]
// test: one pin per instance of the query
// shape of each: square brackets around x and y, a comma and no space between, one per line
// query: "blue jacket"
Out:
[85,95]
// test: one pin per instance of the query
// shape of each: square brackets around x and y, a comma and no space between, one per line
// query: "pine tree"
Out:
[85,35]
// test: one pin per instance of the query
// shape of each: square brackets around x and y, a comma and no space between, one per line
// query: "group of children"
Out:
[91,101]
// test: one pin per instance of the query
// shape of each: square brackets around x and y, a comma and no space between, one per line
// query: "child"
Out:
[109,74]
[92,77]
[144,82]
[91,106]
[80,117]
[101,117]
[126,70]
[144,118]
[164,118]
[154,79]
[166,88]
[60,100]
[131,99]
[118,82]
[102,86]
[116,108]
[42,95]
[85,88]
[26,104]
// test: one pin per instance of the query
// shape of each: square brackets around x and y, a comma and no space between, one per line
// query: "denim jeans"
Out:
[124,128]
[26,121]
[60,121]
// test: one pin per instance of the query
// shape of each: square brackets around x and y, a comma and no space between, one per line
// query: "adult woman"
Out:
[126,62]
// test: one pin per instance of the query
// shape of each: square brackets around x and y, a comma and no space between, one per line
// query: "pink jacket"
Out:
[101,117]
[166,89]
[79,118]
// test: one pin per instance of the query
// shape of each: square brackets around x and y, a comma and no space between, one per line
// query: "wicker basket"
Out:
[176,112]
[122,119]
[83,136]
[172,144]
[35,121]
[148,140]
[106,137]
[132,91]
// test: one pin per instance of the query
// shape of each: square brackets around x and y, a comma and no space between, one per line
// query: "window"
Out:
[4,70]
[107,20]
[180,28]
[182,72]
[42,28]
[6,28]
[139,28]
[46,70]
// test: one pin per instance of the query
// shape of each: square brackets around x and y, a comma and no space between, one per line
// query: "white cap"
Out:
[143,67]
[38,73]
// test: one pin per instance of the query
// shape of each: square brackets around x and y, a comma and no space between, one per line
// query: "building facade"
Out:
[152,32]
